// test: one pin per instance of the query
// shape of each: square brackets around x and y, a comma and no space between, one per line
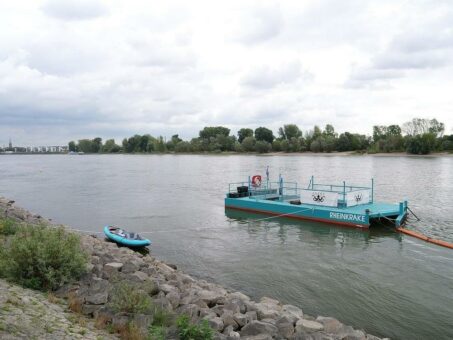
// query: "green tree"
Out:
[85,145]
[243,133]
[289,131]
[213,131]
[110,146]
[264,134]
[72,146]
[248,144]
[262,146]
[96,144]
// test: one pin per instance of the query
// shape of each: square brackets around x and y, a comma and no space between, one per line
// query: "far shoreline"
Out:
[228,153]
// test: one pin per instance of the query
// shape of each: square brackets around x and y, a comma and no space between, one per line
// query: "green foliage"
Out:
[129,298]
[42,257]
[213,131]
[262,146]
[244,133]
[190,331]
[248,144]
[264,134]
[421,144]
[289,131]
[110,146]
[157,333]
[72,146]
[162,317]
[8,227]
[183,147]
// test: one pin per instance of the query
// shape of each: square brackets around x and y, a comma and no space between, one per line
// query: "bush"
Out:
[43,258]
[7,227]
[262,147]
[190,331]
[129,298]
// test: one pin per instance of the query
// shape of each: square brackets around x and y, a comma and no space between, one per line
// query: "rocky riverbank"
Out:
[232,315]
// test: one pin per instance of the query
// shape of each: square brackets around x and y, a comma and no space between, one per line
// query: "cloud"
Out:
[81,69]
[74,9]
[266,77]
[259,25]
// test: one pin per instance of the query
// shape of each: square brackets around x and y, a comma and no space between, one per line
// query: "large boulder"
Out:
[308,326]
[215,323]
[111,269]
[258,327]
[331,325]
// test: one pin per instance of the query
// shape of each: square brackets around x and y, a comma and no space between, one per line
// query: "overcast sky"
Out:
[86,68]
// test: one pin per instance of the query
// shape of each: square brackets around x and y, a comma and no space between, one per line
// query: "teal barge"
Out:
[344,204]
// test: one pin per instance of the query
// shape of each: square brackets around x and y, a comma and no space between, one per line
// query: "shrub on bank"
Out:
[43,258]
[128,299]
[190,331]
[7,227]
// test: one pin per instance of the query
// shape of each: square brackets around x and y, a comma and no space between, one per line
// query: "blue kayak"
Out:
[125,238]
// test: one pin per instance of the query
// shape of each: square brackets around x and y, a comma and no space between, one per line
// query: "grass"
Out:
[41,257]
[128,299]
[190,331]
[8,227]
[74,303]
[157,333]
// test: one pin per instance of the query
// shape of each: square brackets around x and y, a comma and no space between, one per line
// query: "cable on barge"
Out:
[345,205]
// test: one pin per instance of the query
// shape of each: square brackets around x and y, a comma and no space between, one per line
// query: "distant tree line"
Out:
[418,136]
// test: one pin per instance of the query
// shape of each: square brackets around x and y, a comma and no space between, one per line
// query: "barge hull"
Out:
[342,217]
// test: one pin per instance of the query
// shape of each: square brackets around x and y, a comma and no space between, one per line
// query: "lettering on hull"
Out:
[348,217]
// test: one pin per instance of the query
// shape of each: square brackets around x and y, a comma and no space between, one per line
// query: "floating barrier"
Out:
[425,238]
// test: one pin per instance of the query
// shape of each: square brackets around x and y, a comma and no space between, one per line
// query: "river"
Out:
[386,283]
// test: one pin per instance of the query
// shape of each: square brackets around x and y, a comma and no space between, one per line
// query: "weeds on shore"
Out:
[128,299]
[8,227]
[190,331]
[41,257]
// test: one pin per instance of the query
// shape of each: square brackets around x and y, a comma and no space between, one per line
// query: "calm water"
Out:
[386,283]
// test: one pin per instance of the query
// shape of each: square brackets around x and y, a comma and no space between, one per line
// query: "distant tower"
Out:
[10,143]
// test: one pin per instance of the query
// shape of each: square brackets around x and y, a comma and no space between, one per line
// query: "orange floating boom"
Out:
[425,238]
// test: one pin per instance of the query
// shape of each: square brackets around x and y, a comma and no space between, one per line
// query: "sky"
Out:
[72,69]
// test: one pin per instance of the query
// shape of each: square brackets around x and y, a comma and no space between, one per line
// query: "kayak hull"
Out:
[125,241]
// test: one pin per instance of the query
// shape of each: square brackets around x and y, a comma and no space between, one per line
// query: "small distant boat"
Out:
[124,237]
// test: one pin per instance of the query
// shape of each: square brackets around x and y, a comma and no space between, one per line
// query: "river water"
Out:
[385,283]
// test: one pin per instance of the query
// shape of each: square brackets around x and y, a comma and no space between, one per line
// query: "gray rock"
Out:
[174,298]
[258,337]
[212,297]
[228,319]
[308,326]
[143,321]
[120,321]
[266,311]
[292,310]
[97,298]
[233,336]
[216,323]
[331,325]
[251,316]
[191,310]
[130,267]
[90,309]
[166,288]
[137,277]
[111,269]
[227,330]
[285,328]
[240,319]
[258,327]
